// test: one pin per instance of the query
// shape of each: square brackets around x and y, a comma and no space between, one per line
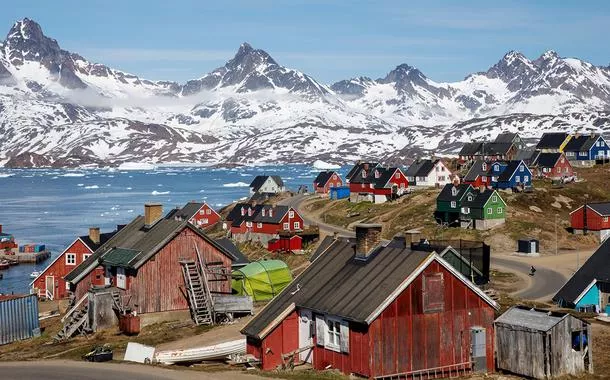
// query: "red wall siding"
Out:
[402,180]
[325,188]
[59,269]
[282,340]
[595,222]
[479,182]
[212,218]
[561,166]
[270,228]
[158,285]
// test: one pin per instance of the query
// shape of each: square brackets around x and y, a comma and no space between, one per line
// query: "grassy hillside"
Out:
[528,214]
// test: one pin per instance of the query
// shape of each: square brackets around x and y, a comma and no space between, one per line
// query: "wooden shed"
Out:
[542,344]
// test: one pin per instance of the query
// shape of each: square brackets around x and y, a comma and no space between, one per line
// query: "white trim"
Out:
[585,291]
[588,204]
[432,257]
[68,255]
[460,257]
[279,319]
[58,257]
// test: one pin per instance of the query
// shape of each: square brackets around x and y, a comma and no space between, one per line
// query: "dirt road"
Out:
[327,229]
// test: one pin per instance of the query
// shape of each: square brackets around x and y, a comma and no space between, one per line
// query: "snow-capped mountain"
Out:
[59,109]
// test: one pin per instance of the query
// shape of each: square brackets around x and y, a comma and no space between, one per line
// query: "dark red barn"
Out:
[592,217]
[326,180]
[378,310]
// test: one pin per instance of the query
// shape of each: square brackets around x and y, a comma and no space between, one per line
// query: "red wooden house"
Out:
[478,175]
[592,217]
[326,180]
[142,261]
[553,165]
[50,282]
[199,214]
[262,222]
[377,310]
[377,184]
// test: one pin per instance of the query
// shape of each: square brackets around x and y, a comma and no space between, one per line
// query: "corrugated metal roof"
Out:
[19,318]
[533,319]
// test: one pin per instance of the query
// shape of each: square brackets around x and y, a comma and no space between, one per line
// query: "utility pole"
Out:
[556,243]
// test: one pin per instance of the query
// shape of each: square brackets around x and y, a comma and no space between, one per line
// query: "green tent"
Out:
[262,280]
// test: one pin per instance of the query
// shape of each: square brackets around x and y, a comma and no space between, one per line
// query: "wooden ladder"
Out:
[75,321]
[197,287]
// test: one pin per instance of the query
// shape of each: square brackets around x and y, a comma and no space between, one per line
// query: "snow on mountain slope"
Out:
[59,109]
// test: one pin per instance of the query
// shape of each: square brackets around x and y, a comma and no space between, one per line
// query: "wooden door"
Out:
[50,287]
[120,278]
[305,335]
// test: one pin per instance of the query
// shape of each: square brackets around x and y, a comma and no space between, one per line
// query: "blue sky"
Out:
[330,40]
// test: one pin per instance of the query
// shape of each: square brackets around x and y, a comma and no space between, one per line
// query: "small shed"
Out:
[18,318]
[530,246]
[542,344]
[340,192]
[285,244]
[262,280]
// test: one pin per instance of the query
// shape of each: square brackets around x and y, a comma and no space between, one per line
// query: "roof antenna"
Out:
[297,290]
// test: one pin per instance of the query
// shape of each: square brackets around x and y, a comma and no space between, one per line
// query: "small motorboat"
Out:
[35,274]
[4,264]
[13,262]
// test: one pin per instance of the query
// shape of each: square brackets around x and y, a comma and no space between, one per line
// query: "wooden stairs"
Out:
[76,321]
[197,288]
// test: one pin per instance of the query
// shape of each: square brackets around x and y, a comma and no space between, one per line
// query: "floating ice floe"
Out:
[80,185]
[236,184]
[155,192]
[92,187]
[6,175]
[73,175]
[136,166]
[321,165]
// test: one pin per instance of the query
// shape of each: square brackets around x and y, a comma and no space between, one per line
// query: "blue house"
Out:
[509,175]
[584,150]
[340,192]
[588,289]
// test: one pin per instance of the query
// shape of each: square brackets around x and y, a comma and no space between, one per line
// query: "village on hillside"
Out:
[492,263]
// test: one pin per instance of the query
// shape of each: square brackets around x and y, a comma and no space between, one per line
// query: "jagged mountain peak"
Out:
[403,74]
[248,57]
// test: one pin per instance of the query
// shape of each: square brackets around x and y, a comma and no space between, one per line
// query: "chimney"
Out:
[368,237]
[335,235]
[411,236]
[94,234]
[152,213]
[482,188]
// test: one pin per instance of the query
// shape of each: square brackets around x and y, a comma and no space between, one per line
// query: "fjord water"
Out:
[53,207]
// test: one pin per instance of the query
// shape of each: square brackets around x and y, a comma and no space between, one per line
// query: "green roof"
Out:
[120,257]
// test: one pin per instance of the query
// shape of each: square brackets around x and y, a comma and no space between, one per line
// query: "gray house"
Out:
[542,344]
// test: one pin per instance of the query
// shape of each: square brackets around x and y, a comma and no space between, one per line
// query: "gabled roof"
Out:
[446,195]
[260,180]
[581,143]
[552,140]
[189,210]
[421,168]
[527,155]
[470,149]
[337,284]
[324,176]
[480,198]
[260,213]
[239,258]
[510,169]
[495,148]
[532,319]
[136,244]
[596,268]
[476,170]
[357,168]
[547,160]
[378,176]
[506,137]
[602,208]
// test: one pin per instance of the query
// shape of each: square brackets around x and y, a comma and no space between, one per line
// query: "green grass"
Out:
[308,374]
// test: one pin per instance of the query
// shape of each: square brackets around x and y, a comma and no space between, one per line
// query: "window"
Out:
[453,204]
[497,167]
[86,256]
[402,185]
[526,178]
[332,333]
[521,168]
[291,214]
[334,176]
[259,225]
[371,185]
[201,212]
[208,211]
[605,219]
[397,175]
[249,224]
[332,185]
[499,210]
[363,185]
[469,198]
[297,225]
[263,212]
[484,166]
[483,179]
[454,191]
[490,211]
[494,198]
[70,259]
[517,179]
[286,226]
[204,221]
[433,293]
[583,154]
[558,170]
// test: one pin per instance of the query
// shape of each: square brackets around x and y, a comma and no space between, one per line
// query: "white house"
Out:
[267,184]
[429,173]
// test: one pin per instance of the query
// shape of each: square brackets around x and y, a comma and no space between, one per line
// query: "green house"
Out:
[484,210]
[449,202]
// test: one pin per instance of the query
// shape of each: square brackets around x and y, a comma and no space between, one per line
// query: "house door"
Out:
[533,247]
[49,284]
[305,335]
[478,348]
[120,278]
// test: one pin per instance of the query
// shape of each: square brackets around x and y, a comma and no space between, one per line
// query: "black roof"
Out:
[239,259]
[260,213]
[602,208]
[470,149]
[509,170]
[260,180]
[139,243]
[495,148]
[476,170]
[104,237]
[447,193]
[552,140]
[527,155]
[547,160]
[581,143]
[357,168]
[480,198]
[378,176]
[421,168]
[188,211]
[324,176]
[506,137]
[597,267]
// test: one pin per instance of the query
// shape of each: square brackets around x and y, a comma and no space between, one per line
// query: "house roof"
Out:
[336,283]
[506,137]
[446,194]
[510,169]
[602,208]
[229,246]
[495,148]
[470,149]
[259,180]
[581,143]
[357,168]
[476,170]
[137,244]
[531,319]
[104,237]
[552,140]
[547,160]
[378,176]
[597,267]
[480,198]
[421,168]
[324,176]
[189,210]
[260,213]
[528,155]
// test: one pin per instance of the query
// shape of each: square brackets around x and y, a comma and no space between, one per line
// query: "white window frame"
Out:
[291,214]
[297,225]
[68,256]
[397,175]
[500,210]
[205,221]
[286,226]
[494,198]
[201,212]
[208,211]
[259,225]
[605,219]
[86,256]
[526,178]
[332,339]
[248,224]
[490,211]
[453,204]
[517,178]
[521,168]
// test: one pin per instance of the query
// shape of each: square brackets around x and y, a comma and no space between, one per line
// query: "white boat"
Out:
[216,352]
[35,274]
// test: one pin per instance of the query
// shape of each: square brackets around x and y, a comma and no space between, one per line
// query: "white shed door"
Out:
[120,278]
[305,335]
